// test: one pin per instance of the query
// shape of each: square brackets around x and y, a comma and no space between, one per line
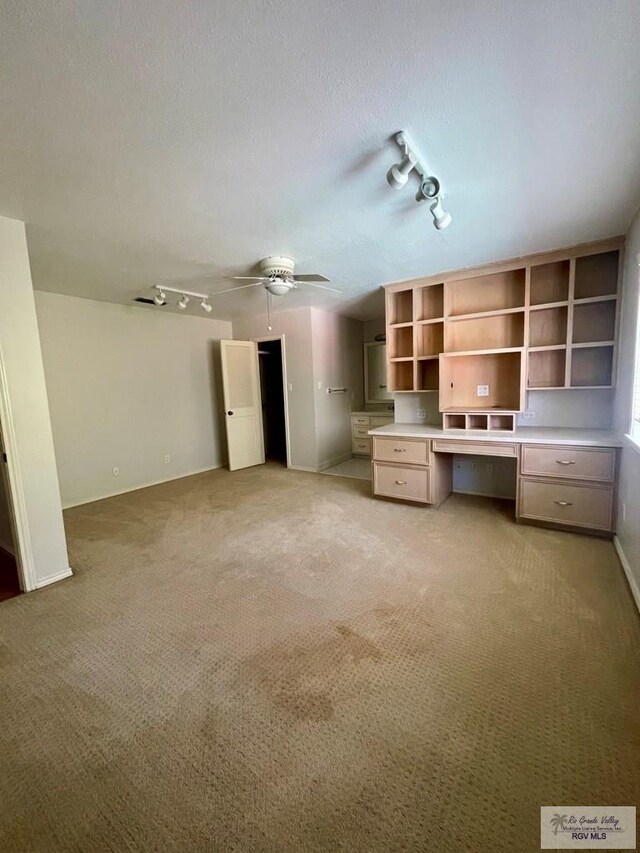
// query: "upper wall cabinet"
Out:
[483,337]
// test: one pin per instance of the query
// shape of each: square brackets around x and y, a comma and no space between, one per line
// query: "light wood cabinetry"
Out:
[408,470]
[547,321]
[361,423]
[567,486]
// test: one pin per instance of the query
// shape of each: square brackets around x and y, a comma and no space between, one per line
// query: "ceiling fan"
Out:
[278,278]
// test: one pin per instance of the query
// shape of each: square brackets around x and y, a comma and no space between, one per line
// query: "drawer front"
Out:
[574,463]
[567,503]
[394,481]
[362,446]
[475,448]
[360,432]
[401,450]
[360,420]
[380,421]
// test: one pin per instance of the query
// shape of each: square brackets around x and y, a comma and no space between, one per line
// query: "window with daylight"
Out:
[635,403]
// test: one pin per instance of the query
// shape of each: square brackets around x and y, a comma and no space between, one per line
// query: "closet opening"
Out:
[273,389]
[9,568]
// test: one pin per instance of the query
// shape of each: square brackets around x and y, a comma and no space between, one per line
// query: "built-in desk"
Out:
[566,478]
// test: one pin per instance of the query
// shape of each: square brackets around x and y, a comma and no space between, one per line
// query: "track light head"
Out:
[441,219]
[398,174]
[205,306]
[160,297]
[183,302]
[428,189]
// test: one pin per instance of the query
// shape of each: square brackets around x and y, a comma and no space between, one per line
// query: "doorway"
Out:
[9,571]
[274,399]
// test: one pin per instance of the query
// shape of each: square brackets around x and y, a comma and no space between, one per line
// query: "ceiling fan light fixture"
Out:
[279,287]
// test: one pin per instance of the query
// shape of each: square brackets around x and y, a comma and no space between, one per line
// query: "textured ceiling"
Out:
[169,142]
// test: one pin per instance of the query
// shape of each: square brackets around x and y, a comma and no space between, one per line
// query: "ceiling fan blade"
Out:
[310,278]
[247,277]
[233,289]
[322,287]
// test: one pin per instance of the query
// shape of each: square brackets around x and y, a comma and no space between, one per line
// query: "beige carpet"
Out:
[357,467]
[273,661]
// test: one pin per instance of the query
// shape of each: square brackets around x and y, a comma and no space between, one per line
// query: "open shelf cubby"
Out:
[594,321]
[497,332]
[427,375]
[429,339]
[592,367]
[495,292]
[452,420]
[401,307]
[596,275]
[550,283]
[548,327]
[400,376]
[401,342]
[547,369]
[479,421]
[429,302]
[461,376]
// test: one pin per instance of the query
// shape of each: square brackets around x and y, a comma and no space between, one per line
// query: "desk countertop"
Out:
[523,435]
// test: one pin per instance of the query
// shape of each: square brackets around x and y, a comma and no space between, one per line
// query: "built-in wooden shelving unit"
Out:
[547,321]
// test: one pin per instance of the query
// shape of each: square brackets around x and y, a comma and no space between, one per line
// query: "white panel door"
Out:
[242,403]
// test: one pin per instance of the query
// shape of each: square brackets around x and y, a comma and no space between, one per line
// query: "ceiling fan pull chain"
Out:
[269,311]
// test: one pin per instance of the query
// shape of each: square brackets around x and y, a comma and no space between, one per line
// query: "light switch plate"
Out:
[483,391]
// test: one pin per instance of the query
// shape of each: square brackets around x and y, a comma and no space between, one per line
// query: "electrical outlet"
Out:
[458,465]
[489,467]
[483,391]
[115,471]
[421,413]
[167,459]
[474,466]
[528,415]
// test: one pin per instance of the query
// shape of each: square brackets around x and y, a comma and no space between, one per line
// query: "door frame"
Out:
[285,386]
[16,499]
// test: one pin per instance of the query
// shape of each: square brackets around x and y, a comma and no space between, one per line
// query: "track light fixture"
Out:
[160,297]
[398,175]
[441,219]
[429,189]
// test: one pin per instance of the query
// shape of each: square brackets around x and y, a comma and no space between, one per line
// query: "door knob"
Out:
[229,413]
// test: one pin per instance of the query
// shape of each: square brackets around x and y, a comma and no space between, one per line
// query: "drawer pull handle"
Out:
[564,503]
[399,449]
[401,482]
[566,462]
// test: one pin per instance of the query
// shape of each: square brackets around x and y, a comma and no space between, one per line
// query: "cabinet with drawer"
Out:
[360,425]
[405,468]
[398,481]
[567,486]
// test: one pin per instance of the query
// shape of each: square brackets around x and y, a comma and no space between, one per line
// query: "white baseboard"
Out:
[141,486]
[60,576]
[633,583]
[344,457]
[303,468]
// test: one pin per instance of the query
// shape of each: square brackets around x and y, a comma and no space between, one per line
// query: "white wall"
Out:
[128,385]
[26,422]
[628,526]
[337,363]
[295,325]
[371,328]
